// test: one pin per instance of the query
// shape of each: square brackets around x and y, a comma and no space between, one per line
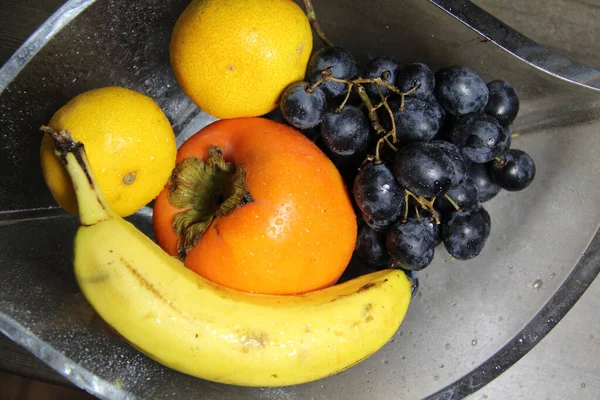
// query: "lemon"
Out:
[129,142]
[234,58]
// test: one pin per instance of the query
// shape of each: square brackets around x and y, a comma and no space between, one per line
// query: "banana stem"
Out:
[92,205]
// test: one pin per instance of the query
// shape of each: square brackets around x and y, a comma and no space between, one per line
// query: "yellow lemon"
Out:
[129,142]
[234,58]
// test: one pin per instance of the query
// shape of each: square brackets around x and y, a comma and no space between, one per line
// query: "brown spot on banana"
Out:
[100,278]
[363,288]
[150,287]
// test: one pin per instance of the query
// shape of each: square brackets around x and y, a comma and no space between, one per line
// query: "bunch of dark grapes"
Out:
[421,151]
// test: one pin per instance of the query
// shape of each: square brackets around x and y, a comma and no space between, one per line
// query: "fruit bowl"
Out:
[468,322]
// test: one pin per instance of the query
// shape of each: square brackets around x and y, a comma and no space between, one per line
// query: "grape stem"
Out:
[357,84]
[500,161]
[393,131]
[406,205]
[311,88]
[372,114]
[423,202]
[456,207]
[312,18]
[339,109]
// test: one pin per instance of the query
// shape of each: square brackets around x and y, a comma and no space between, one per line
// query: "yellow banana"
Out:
[212,332]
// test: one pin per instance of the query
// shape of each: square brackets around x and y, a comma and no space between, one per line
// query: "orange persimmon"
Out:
[256,206]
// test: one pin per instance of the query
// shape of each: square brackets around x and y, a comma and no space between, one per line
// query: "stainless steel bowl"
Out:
[474,318]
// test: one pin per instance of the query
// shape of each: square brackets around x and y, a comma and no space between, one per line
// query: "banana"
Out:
[191,325]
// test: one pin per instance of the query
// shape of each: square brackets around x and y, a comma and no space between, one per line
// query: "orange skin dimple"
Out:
[297,235]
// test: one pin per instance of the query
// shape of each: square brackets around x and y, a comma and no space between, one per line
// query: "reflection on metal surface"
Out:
[519,45]
[40,38]
[107,42]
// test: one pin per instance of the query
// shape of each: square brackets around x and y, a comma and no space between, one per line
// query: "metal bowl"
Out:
[470,320]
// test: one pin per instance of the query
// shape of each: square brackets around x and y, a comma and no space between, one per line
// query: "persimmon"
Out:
[254,205]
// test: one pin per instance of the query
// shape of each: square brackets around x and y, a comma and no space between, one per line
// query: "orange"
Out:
[129,143]
[298,233]
[234,58]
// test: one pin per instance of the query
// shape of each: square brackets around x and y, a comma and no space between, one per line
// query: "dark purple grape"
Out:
[465,233]
[419,121]
[378,226]
[461,91]
[515,172]
[411,244]
[345,133]
[464,195]
[439,110]
[480,137]
[447,126]
[414,281]
[504,145]
[424,169]
[385,68]
[378,195]
[303,108]
[371,249]
[342,64]
[503,102]
[416,74]
[486,188]
[276,116]
[426,219]
[460,162]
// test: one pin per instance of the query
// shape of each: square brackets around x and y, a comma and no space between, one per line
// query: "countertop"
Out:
[565,364]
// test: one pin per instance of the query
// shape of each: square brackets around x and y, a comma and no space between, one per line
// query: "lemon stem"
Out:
[92,205]
[205,190]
